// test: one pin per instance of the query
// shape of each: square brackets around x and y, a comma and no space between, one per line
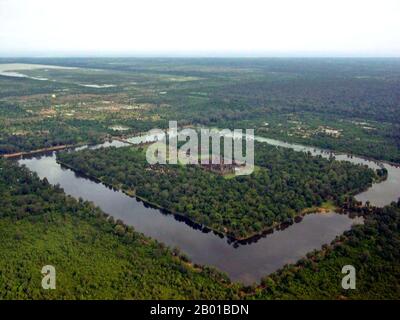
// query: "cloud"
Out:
[352,27]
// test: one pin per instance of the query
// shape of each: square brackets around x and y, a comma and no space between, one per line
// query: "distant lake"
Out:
[10,69]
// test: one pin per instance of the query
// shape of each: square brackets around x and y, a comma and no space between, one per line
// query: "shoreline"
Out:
[36,151]
[349,154]
[254,237]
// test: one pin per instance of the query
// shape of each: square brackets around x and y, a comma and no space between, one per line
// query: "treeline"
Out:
[284,183]
[375,140]
[230,92]
[49,133]
[374,251]
[388,150]
[95,257]
[372,99]
[366,90]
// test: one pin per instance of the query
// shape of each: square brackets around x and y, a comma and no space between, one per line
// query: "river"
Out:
[246,263]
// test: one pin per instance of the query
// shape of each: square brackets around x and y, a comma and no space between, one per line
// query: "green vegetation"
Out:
[347,105]
[50,133]
[286,183]
[373,249]
[368,138]
[95,257]
[357,97]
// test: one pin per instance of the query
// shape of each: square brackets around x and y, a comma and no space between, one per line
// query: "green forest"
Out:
[99,258]
[95,256]
[284,183]
[373,249]
[359,97]
[347,105]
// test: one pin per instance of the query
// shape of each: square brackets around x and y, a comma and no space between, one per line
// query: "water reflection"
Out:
[245,261]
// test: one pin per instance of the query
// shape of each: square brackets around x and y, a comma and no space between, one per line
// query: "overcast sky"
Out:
[203,27]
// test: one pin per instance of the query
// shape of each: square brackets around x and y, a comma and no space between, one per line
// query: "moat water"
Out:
[246,263]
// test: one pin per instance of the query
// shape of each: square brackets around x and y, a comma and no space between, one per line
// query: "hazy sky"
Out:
[203,27]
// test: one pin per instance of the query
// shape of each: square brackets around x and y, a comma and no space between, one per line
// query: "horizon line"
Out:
[167,56]
[193,54]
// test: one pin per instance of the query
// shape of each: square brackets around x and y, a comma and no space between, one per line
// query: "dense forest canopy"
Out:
[95,256]
[346,105]
[359,97]
[373,249]
[284,183]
